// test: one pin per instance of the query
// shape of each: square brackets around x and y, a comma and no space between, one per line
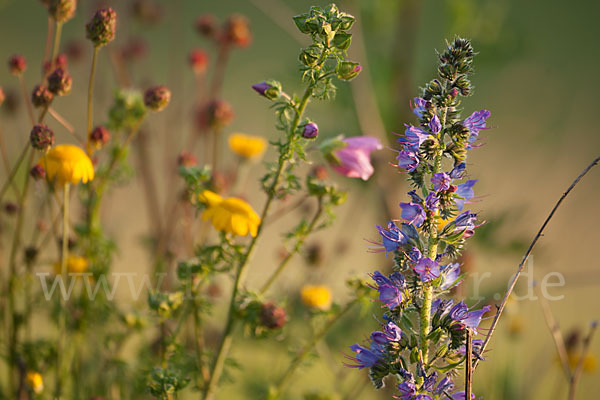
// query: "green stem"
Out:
[225,344]
[13,173]
[297,248]
[26,99]
[307,349]
[60,347]
[90,104]
[56,45]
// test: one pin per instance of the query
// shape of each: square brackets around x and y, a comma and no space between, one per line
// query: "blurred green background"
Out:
[536,72]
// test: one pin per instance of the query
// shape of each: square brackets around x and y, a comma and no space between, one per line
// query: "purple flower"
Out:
[458,171]
[353,160]
[465,193]
[390,289]
[413,138]
[407,390]
[445,385]
[414,255]
[413,213]
[427,269]
[451,272]
[419,106]
[461,396]
[391,333]
[466,220]
[476,122]
[407,160]
[473,318]
[441,181]
[459,311]
[311,130]
[392,238]
[432,201]
[429,382]
[435,124]
[380,279]
[365,358]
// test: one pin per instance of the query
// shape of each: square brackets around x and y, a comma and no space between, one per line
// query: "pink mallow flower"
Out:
[354,159]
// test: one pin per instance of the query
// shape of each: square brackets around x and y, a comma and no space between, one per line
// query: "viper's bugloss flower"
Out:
[62,10]
[272,316]
[390,289]
[17,64]
[67,163]
[247,146]
[427,269]
[198,60]
[236,31]
[215,115]
[419,106]
[464,192]
[37,172]
[186,159]
[310,131]
[407,160]
[390,333]
[75,265]
[316,296]
[458,171]
[102,27]
[450,273]
[413,138]
[60,82]
[354,159]
[41,137]
[413,213]
[392,237]
[230,215]
[41,96]
[157,98]
[35,381]
[435,124]
[441,181]
[407,390]
[206,25]
[365,358]
[475,123]
[99,137]
[471,319]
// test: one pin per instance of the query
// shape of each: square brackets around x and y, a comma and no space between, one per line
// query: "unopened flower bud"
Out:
[272,316]
[17,64]
[37,172]
[157,98]
[348,70]
[59,82]
[99,137]
[186,159]
[215,115]
[198,60]
[41,137]
[237,31]
[41,96]
[59,62]
[102,27]
[206,25]
[311,130]
[62,10]
[270,89]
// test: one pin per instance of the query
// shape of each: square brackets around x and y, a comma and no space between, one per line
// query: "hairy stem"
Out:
[60,346]
[90,99]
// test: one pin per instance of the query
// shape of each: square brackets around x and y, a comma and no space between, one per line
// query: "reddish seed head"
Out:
[157,98]
[102,27]
[62,10]
[206,25]
[215,115]
[272,316]
[38,172]
[186,159]
[198,60]
[17,64]
[99,137]
[41,137]
[236,31]
[59,62]
[59,82]
[41,96]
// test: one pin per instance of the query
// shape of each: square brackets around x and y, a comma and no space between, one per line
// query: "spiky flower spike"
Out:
[425,244]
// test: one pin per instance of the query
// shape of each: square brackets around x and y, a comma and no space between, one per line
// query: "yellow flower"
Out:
[67,163]
[35,381]
[231,215]
[316,296]
[75,265]
[589,362]
[247,146]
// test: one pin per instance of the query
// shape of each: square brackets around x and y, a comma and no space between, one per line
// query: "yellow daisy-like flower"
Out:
[316,296]
[67,163]
[247,146]
[231,215]
[35,381]
[75,265]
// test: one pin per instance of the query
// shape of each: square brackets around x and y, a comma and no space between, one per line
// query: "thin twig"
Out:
[469,365]
[529,250]
[557,336]
[586,348]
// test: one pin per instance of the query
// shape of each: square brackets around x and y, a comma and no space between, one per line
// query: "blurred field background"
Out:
[536,72]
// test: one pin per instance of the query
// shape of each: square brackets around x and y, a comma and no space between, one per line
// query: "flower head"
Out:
[186,159]
[157,98]
[271,90]
[62,10]
[247,146]
[17,64]
[464,192]
[318,297]
[392,237]
[272,316]
[41,96]
[215,115]
[441,181]
[102,27]
[231,215]
[60,82]
[99,137]
[41,137]
[407,160]
[198,60]
[206,25]
[413,138]
[75,265]
[427,269]
[236,31]
[476,122]
[353,160]
[413,213]
[365,358]
[35,381]
[67,163]
[310,131]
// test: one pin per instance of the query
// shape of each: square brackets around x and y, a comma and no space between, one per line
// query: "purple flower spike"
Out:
[390,296]
[441,181]
[432,201]
[413,138]
[354,160]
[392,238]
[465,191]
[311,130]
[476,122]
[427,269]
[435,124]
[364,358]
[407,390]
[413,213]
[408,160]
